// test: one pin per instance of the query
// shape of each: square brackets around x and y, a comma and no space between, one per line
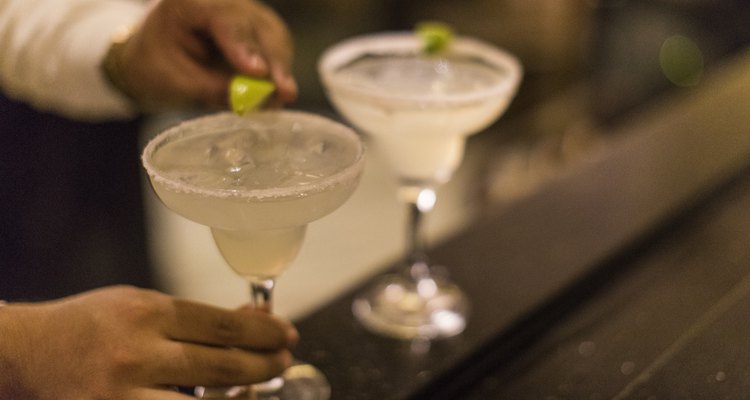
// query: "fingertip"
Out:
[292,335]
[256,65]
[290,89]
[286,86]
[252,63]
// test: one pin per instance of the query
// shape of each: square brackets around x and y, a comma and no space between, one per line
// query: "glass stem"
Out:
[421,201]
[261,294]
[261,297]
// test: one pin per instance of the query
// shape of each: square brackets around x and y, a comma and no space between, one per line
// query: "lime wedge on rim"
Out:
[246,94]
[435,35]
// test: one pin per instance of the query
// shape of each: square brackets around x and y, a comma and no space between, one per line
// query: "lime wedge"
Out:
[435,35]
[247,94]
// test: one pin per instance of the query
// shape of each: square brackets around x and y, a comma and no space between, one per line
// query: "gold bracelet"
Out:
[111,65]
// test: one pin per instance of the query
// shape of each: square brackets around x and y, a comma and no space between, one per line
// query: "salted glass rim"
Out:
[224,121]
[408,42]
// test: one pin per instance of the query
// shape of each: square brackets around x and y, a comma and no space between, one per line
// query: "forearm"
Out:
[116,342]
[13,342]
[51,53]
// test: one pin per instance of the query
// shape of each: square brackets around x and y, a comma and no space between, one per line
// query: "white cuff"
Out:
[96,98]
[53,52]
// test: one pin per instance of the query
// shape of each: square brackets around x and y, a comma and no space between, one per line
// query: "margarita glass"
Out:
[257,181]
[417,110]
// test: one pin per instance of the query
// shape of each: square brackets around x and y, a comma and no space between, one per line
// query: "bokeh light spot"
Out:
[681,61]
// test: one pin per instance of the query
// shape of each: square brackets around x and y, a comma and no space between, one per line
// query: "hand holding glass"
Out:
[257,181]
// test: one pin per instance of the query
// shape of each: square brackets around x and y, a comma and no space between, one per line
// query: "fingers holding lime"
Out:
[247,94]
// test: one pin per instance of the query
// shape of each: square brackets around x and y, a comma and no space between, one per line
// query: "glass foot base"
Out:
[399,307]
[299,382]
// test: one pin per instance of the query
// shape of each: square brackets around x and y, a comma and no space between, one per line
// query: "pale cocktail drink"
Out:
[418,110]
[257,181]
[256,185]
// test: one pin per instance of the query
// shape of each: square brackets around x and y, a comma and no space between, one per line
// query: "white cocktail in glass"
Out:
[257,181]
[418,110]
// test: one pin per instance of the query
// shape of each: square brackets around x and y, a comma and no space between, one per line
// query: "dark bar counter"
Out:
[669,319]
[625,277]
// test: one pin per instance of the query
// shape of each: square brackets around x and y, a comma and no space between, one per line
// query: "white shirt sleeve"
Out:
[51,52]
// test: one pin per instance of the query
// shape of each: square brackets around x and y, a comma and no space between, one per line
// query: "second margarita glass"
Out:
[417,110]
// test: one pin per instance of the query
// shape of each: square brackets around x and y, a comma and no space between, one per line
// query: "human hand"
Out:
[128,343]
[186,51]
